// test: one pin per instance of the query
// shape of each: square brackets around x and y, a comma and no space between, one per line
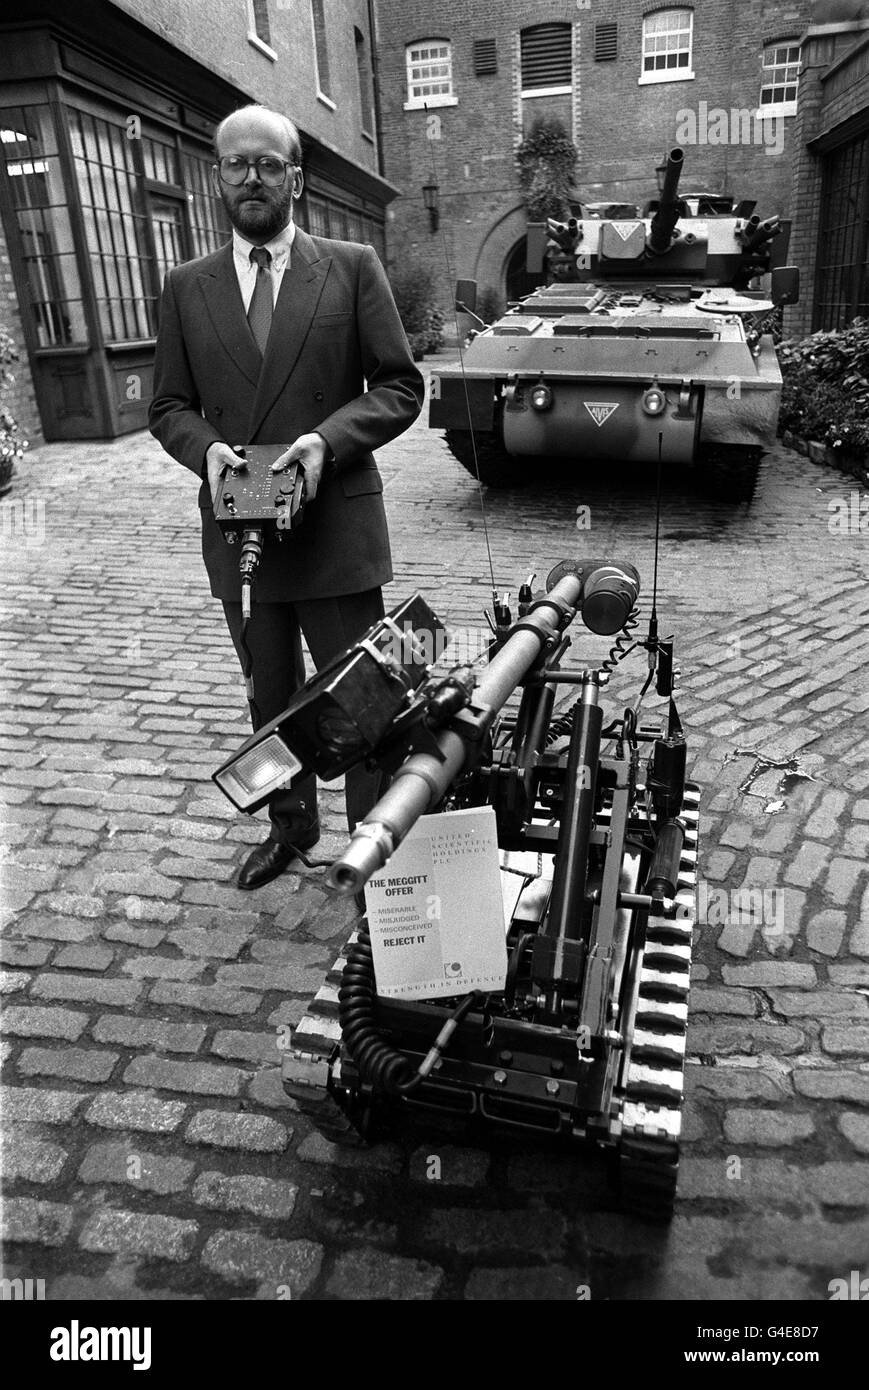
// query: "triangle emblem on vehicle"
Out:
[600,411]
[625,229]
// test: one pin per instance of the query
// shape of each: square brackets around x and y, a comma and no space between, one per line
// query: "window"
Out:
[485,57]
[667,41]
[366,96]
[258,28]
[114,222]
[429,74]
[546,59]
[779,78]
[842,266]
[209,226]
[326,217]
[606,41]
[321,52]
[261,20]
[159,160]
[28,148]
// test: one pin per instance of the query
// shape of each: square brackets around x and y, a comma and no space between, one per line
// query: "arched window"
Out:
[779,78]
[667,46]
[429,74]
[546,59]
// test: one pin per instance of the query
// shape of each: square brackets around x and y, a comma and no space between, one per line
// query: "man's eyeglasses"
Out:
[269,170]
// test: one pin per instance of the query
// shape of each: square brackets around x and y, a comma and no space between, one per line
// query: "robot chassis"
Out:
[586,1042]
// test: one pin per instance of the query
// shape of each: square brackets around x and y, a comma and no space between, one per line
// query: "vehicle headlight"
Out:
[257,772]
[654,401]
[541,397]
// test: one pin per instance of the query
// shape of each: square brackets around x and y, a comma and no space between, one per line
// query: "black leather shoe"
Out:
[271,859]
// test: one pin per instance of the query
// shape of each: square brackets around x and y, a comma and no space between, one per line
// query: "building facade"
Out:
[831,176]
[107,116]
[462,82]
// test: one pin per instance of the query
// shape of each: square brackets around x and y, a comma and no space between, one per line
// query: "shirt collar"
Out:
[279,247]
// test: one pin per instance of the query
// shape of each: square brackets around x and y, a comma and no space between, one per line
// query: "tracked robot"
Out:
[583,1042]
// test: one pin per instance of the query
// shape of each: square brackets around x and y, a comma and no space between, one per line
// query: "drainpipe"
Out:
[375,83]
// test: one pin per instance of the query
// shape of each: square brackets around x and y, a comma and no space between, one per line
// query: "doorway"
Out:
[520,281]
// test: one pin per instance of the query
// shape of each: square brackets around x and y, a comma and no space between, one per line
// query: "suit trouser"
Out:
[330,625]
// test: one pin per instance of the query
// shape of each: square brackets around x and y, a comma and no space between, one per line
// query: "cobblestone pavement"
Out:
[149,1149]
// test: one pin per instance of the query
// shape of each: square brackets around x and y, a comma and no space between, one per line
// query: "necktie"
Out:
[259,314]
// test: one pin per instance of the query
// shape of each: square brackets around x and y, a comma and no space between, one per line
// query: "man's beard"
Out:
[262,217]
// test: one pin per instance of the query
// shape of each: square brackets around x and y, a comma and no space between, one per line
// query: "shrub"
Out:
[546,160]
[490,304]
[12,442]
[414,291]
[435,320]
[825,392]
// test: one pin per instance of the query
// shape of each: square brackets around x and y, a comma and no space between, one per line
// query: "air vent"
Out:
[546,56]
[606,42]
[485,57]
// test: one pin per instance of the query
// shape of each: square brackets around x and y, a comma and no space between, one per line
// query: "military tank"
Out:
[648,336]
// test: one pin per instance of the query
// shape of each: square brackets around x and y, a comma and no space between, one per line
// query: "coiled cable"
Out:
[381,1065]
[560,727]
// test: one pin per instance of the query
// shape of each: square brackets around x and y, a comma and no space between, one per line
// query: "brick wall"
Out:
[216,33]
[628,124]
[846,91]
[621,127]
[825,102]
[20,397]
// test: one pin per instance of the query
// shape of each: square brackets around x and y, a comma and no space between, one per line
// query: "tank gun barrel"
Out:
[564,234]
[757,236]
[667,212]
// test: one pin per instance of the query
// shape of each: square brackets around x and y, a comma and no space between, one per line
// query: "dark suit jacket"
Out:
[335,327]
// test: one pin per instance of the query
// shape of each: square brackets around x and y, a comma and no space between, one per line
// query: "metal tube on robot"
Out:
[564,920]
[424,779]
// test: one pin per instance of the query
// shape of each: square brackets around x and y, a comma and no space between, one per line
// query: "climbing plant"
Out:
[546,160]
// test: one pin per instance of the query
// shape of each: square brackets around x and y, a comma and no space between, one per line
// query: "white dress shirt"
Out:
[246,269]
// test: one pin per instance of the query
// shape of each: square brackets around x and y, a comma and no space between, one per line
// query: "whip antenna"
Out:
[657,533]
[465,384]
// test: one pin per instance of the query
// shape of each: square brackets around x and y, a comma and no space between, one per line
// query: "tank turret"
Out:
[700,238]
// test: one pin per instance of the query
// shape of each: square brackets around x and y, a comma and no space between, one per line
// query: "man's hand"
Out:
[310,451]
[218,457]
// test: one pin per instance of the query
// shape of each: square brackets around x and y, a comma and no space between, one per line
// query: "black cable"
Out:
[311,863]
[513,967]
[560,727]
[381,1065]
[247,658]
[252,542]
[646,684]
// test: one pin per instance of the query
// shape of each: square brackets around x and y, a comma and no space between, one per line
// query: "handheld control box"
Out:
[252,495]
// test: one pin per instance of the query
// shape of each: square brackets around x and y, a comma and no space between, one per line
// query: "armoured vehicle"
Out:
[647,338]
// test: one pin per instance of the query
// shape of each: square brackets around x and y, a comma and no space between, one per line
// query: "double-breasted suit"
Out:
[335,332]
[335,327]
